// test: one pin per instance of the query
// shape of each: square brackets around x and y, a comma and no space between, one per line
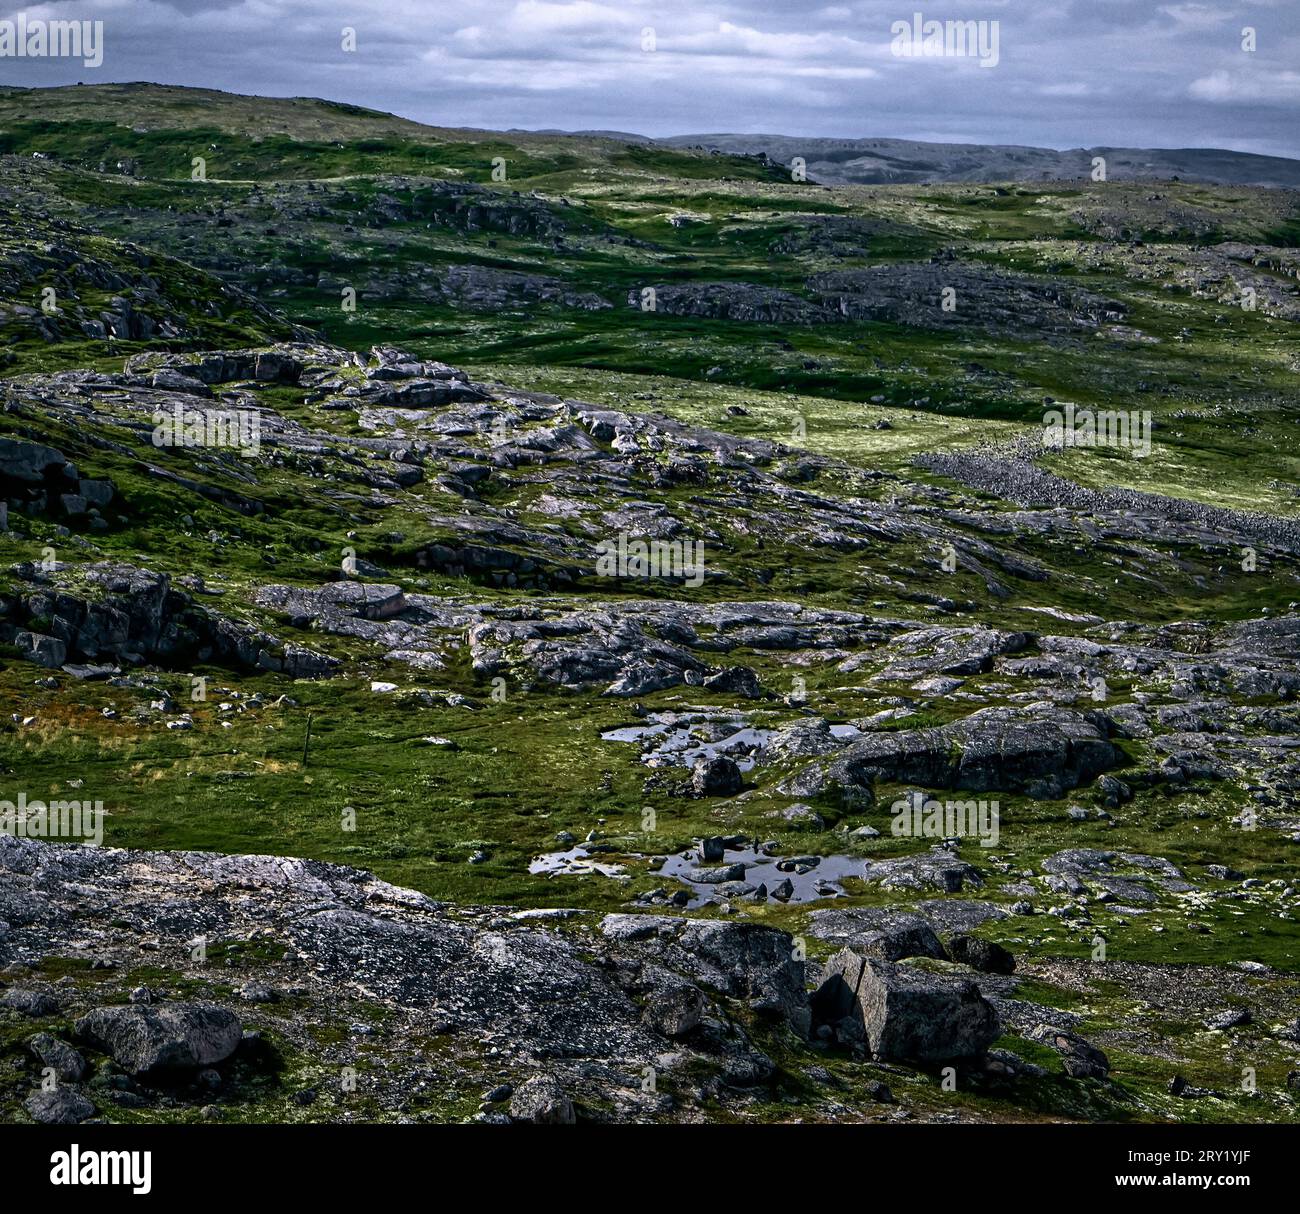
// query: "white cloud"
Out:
[1247,86]
[1196,16]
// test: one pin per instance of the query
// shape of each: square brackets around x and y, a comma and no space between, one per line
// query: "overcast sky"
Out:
[1070,73]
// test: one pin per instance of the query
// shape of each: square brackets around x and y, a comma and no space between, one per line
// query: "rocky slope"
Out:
[193,986]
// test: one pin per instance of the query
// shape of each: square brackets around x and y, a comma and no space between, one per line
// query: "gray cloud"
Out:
[1069,72]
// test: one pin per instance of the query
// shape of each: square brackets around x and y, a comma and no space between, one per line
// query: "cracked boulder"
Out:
[903,1013]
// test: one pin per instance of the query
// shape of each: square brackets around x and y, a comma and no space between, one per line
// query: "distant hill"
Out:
[901,161]
[140,121]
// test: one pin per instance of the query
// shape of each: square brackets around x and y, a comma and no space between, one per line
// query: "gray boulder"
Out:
[712,849]
[982,955]
[46,651]
[31,463]
[736,680]
[1041,753]
[182,1036]
[906,1013]
[542,1101]
[1081,1059]
[718,875]
[29,1003]
[716,776]
[60,1106]
[68,1065]
[937,868]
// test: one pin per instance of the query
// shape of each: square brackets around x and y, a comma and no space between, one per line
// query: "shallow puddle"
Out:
[821,881]
[574,862]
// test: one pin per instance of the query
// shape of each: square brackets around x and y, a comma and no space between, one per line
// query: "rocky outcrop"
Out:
[736,301]
[1038,752]
[38,479]
[904,1013]
[110,612]
[953,294]
[744,960]
[586,1009]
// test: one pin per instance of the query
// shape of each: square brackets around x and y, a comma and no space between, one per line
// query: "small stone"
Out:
[257,992]
[1231,1019]
[62,1106]
[68,1065]
[712,849]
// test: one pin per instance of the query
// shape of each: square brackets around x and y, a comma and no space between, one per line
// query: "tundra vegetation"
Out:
[507,709]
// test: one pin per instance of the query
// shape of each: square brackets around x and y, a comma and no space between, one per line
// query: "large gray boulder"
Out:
[906,1013]
[937,868]
[182,1036]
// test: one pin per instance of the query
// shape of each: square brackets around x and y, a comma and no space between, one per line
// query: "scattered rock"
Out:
[982,955]
[542,1101]
[68,1065]
[59,1106]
